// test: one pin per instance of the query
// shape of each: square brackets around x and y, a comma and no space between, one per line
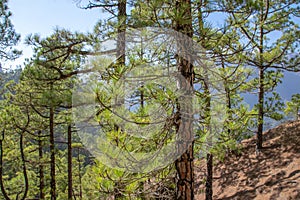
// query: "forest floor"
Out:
[272,174]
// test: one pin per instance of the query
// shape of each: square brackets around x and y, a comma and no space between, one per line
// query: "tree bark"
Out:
[121,45]
[52,153]
[184,165]
[261,91]
[260,110]
[23,167]
[41,167]
[1,168]
[70,181]
[121,42]
[209,177]
[209,156]
[207,114]
[79,173]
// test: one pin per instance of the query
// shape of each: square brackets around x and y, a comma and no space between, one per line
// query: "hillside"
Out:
[272,174]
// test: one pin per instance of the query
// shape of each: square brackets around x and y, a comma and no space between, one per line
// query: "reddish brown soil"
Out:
[272,174]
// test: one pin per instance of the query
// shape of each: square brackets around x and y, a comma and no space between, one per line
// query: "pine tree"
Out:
[293,106]
[8,37]
[269,31]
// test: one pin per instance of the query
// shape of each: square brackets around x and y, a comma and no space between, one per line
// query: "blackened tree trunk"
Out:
[207,109]
[70,181]
[41,167]
[261,91]
[52,152]
[209,177]
[260,117]
[3,190]
[228,96]
[121,44]
[23,167]
[184,164]
[79,174]
[209,156]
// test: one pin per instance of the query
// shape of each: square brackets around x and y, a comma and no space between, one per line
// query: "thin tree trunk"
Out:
[209,156]
[5,195]
[184,164]
[260,110]
[261,91]
[70,181]
[228,97]
[209,177]
[79,174]
[121,44]
[52,154]
[23,167]
[41,167]
[207,115]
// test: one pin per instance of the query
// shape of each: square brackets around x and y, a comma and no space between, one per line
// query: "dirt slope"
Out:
[274,173]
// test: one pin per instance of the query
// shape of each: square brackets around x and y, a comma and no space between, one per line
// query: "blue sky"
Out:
[42,16]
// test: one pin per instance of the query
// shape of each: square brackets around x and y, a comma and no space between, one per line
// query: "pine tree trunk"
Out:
[121,44]
[41,167]
[70,181]
[209,156]
[4,193]
[209,177]
[228,97]
[260,110]
[79,174]
[207,115]
[184,164]
[52,155]
[185,175]
[121,32]
[23,167]
[261,91]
